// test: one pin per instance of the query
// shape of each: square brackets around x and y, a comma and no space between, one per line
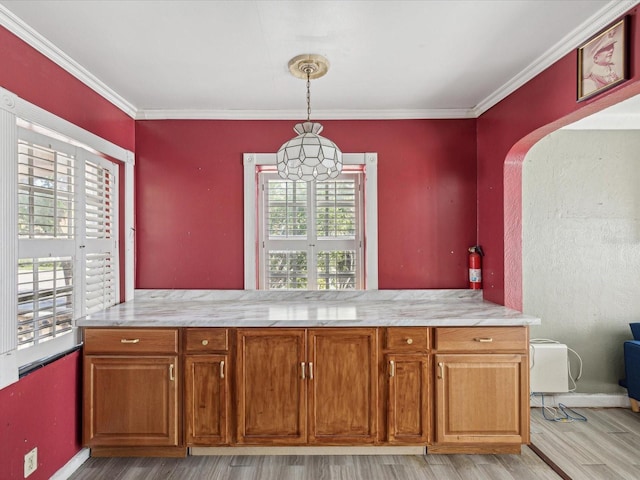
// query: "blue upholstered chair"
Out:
[632,367]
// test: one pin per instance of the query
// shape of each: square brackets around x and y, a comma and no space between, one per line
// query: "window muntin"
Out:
[311,233]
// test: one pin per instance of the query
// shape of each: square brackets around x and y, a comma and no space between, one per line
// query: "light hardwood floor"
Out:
[603,448]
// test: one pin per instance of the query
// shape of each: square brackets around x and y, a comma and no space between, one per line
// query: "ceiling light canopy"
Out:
[309,156]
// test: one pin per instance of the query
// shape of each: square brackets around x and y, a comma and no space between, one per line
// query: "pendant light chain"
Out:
[308,71]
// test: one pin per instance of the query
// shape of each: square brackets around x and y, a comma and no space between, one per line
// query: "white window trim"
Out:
[252,161]
[12,107]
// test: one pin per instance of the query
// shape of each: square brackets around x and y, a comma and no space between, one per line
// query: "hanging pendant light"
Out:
[309,156]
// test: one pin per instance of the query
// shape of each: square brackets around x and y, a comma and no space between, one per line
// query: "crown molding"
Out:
[297,115]
[610,12]
[27,34]
[607,14]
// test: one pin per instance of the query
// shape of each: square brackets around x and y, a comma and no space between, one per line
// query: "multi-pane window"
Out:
[310,233]
[67,237]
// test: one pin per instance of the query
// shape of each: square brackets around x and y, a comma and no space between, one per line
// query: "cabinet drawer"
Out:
[130,340]
[407,339]
[481,339]
[206,340]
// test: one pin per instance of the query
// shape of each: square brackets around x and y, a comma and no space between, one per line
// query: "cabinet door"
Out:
[481,399]
[271,398]
[206,399]
[408,399]
[343,385]
[131,401]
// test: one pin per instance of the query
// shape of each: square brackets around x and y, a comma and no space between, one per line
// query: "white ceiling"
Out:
[228,59]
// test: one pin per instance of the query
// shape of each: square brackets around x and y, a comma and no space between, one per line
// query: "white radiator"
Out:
[549,370]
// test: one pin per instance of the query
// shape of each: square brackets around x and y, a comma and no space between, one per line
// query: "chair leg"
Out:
[635,406]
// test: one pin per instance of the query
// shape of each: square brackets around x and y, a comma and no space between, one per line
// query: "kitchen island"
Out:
[248,371]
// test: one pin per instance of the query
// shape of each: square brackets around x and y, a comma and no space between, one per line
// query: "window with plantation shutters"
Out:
[310,233]
[67,236]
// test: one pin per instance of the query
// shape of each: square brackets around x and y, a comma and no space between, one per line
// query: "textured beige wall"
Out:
[581,246]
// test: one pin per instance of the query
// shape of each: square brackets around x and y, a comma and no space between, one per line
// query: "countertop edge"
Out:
[243,308]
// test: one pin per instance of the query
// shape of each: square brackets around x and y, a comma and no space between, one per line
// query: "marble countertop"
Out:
[251,308]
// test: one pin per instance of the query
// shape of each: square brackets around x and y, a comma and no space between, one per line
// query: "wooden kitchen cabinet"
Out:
[406,397]
[155,391]
[271,386]
[206,386]
[298,386]
[481,399]
[342,383]
[131,388]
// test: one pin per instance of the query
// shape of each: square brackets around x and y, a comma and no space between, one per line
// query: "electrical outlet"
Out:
[30,462]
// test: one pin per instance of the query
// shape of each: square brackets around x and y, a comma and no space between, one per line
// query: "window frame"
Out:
[252,164]
[79,244]
[13,107]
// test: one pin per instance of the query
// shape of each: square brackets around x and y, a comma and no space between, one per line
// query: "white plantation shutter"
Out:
[67,236]
[45,299]
[310,233]
[100,282]
[46,197]
[99,200]
[338,226]
[100,240]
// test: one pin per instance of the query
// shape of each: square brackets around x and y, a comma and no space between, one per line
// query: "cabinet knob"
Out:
[409,341]
[205,342]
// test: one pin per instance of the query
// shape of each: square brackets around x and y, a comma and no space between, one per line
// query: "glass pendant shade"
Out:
[309,157]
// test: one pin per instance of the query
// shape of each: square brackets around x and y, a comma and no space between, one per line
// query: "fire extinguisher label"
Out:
[475,275]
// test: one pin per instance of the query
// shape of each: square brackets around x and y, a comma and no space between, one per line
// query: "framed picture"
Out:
[603,61]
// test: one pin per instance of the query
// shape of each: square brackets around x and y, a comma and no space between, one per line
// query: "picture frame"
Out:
[603,60]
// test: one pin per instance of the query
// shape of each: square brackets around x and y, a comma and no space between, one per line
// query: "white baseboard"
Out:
[72,465]
[584,400]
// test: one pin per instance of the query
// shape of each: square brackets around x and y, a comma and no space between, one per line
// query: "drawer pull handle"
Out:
[205,342]
[440,369]
[302,364]
[133,340]
[221,368]
[409,341]
[483,340]
[171,372]
[310,370]
[392,368]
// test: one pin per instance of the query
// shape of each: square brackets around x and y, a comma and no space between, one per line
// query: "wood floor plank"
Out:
[603,448]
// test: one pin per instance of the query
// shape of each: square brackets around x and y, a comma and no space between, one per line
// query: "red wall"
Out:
[35,78]
[505,134]
[41,410]
[189,194]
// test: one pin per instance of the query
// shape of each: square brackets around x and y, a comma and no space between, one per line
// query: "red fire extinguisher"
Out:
[475,267]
